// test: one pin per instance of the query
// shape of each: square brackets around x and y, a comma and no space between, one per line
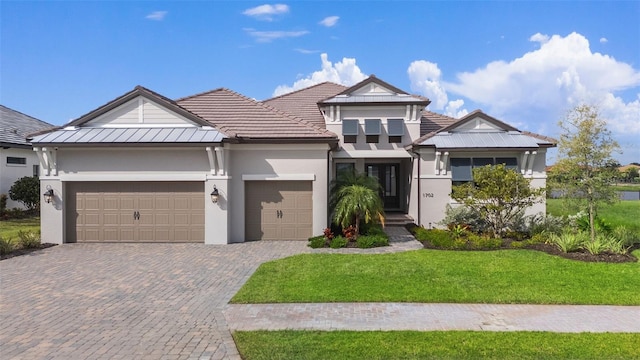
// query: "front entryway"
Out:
[387,175]
[135,211]
[278,210]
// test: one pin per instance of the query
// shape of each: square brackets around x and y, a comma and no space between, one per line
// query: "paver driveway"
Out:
[125,301]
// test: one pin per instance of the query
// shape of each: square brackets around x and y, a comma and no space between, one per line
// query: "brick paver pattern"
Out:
[170,301]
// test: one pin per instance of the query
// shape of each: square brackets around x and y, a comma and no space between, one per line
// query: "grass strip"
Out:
[437,276]
[257,345]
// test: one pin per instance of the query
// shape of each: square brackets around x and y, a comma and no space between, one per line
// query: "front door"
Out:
[387,175]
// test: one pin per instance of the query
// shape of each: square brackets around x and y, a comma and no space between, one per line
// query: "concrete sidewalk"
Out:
[427,317]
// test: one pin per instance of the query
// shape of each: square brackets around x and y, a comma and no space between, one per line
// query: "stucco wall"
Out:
[9,173]
[277,163]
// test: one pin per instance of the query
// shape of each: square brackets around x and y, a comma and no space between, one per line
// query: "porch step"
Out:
[395,219]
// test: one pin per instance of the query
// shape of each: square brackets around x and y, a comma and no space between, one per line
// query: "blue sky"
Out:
[526,63]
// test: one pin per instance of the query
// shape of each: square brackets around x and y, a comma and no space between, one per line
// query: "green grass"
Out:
[624,213]
[437,276]
[628,187]
[9,228]
[288,344]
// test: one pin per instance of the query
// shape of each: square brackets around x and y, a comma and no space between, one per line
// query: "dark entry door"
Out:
[387,175]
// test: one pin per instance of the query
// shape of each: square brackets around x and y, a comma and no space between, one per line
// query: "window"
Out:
[344,168]
[36,170]
[16,160]
[395,129]
[350,130]
[372,129]
[461,168]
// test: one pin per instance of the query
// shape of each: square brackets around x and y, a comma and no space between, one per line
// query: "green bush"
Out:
[539,238]
[484,242]
[625,236]
[3,203]
[518,244]
[317,242]
[27,191]
[569,241]
[28,239]
[600,224]
[464,215]
[371,241]
[338,242]
[596,247]
[6,246]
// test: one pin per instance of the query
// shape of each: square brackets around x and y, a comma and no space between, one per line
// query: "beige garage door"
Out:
[278,210]
[135,211]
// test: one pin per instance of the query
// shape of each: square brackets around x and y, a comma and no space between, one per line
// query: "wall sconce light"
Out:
[215,195]
[48,195]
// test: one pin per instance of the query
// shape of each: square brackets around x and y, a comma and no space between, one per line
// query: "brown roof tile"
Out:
[240,116]
[431,122]
[304,103]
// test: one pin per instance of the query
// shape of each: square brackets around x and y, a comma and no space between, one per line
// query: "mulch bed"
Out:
[20,252]
[580,255]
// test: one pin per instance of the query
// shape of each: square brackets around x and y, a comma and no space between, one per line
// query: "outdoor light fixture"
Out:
[215,195]
[48,195]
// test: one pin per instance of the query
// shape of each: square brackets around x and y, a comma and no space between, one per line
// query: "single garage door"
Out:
[278,210]
[135,211]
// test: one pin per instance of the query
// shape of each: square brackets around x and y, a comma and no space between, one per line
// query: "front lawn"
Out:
[288,344]
[621,213]
[9,228]
[438,276]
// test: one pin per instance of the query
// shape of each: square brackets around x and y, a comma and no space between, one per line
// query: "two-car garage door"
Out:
[135,211]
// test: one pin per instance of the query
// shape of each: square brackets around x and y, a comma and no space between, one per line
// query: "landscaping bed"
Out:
[25,251]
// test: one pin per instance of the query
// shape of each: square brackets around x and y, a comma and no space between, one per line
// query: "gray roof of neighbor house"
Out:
[506,136]
[304,103]
[15,126]
[244,118]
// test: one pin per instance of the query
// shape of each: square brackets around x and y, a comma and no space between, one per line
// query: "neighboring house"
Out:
[17,158]
[218,167]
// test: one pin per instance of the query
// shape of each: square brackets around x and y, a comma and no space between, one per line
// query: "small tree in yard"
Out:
[498,194]
[357,203]
[27,191]
[583,172]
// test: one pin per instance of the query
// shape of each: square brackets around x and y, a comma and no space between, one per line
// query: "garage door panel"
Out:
[272,210]
[104,211]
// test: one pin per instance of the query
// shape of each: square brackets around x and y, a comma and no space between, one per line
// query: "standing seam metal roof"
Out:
[130,136]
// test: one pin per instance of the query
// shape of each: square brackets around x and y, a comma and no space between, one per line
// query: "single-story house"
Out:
[218,167]
[17,158]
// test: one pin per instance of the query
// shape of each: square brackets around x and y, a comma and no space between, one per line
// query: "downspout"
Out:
[419,199]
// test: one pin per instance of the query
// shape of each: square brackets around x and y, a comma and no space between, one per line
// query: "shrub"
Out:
[375,230]
[27,191]
[370,241]
[625,236]
[6,246]
[595,247]
[539,238]
[3,203]
[484,242]
[464,215]
[613,244]
[569,241]
[432,235]
[518,244]
[317,241]
[338,242]
[28,239]
[600,224]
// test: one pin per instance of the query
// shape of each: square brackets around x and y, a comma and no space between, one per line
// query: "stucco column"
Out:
[216,215]
[52,214]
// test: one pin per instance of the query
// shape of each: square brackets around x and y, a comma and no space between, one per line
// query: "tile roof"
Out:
[239,116]
[304,103]
[15,126]
[431,122]
[130,136]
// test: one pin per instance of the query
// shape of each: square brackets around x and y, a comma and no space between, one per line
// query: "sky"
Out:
[526,63]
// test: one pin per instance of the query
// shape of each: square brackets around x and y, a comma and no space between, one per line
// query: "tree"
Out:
[583,172]
[357,203]
[348,178]
[498,194]
[27,191]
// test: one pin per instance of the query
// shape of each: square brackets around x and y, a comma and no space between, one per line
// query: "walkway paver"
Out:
[433,317]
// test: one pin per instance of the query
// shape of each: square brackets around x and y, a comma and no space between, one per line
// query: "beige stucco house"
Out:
[17,158]
[218,167]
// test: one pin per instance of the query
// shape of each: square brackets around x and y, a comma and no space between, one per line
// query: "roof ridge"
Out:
[443,115]
[200,94]
[304,88]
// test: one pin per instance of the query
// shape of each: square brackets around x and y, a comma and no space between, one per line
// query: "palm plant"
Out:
[355,203]
[348,178]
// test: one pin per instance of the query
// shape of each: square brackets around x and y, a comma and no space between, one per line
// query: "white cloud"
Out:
[537,37]
[267,12]
[306,51]
[157,15]
[562,73]
[425,78]
[603,40]
[329,21]
[269,36]
[345,72]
